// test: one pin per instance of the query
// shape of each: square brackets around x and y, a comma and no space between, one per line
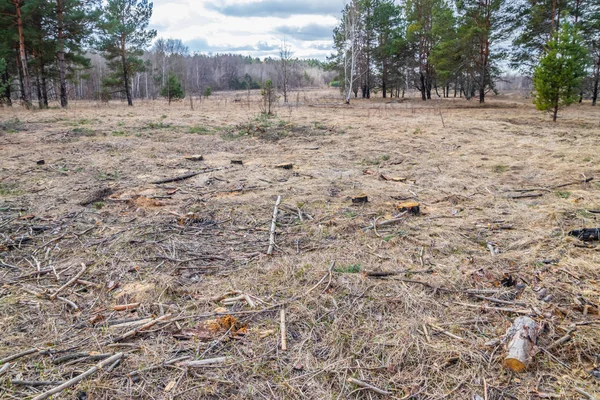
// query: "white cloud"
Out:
[251,27]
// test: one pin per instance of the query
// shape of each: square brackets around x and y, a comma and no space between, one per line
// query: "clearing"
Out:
[414,307]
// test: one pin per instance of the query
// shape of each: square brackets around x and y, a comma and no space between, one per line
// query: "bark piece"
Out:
[522,339]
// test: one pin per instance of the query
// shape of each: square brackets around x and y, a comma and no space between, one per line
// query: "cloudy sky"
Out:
[250,27]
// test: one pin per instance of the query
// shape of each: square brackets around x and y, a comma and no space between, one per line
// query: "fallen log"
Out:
[522,339]
[184,177]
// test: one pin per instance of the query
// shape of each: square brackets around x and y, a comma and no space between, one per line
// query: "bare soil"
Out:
[76,187]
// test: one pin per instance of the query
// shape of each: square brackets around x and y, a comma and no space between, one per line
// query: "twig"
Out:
[71,304]
[586,180]
[135,331]
[526,196]
[79,378]
[70,282]
[562,340]
[386,222]
[511,310]
[201,363]
[498,301]
[126,307]
[35,383]
[273,226]
[18,355]
[283,331]
[445,332]
[584,393]
[367,386]
[5,368]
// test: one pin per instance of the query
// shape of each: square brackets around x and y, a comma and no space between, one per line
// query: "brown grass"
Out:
[178,247]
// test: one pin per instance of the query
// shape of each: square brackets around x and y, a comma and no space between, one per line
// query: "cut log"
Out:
[360,199]
[411,206]
[285,166]
[522,339]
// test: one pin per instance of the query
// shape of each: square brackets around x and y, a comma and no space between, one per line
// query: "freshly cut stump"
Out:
[522,339]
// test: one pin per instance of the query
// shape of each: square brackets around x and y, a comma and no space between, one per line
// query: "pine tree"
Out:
[483,24]
[124,35]
[74,22]
[172,89]
[561,70]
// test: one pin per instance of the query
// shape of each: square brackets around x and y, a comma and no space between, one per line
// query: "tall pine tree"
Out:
[123,37]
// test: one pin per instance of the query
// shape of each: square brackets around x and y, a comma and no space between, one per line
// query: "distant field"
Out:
[499,186]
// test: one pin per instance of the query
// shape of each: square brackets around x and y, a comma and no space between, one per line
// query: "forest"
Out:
[90,50]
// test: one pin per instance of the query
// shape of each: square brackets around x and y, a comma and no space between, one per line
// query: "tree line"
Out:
[102,50]
[459,47]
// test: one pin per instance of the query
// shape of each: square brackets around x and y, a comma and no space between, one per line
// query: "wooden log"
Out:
[202,363]
[196,157]
[237,162]
[522,339]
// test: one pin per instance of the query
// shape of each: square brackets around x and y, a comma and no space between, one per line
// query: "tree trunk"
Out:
[423,89]
[555,113]
[126,76]
[22,55]
[596,79]
[7,94]
[64,100]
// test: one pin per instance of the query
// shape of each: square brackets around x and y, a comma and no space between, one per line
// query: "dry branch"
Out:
[79,378]
[184,177]
[367,386]
[273,226]
[392,221]
[18,355]
[135,331]
[202,363]
[522,339]
[70,282]
[283,330]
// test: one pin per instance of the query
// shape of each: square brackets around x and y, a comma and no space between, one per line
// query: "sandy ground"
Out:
[179,248]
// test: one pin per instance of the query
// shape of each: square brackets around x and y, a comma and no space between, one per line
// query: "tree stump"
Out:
[522,339]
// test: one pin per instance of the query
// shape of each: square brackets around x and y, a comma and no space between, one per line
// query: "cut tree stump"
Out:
[363,198]
[411,206]
[522,339]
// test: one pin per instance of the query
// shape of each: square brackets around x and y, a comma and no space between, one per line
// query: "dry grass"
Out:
[177,247]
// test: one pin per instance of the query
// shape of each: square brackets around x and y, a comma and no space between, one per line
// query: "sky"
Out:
[250,27]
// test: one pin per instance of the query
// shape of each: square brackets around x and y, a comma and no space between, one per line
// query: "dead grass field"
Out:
[178,248]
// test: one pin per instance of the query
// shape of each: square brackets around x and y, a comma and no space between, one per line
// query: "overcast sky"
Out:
[250,27]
